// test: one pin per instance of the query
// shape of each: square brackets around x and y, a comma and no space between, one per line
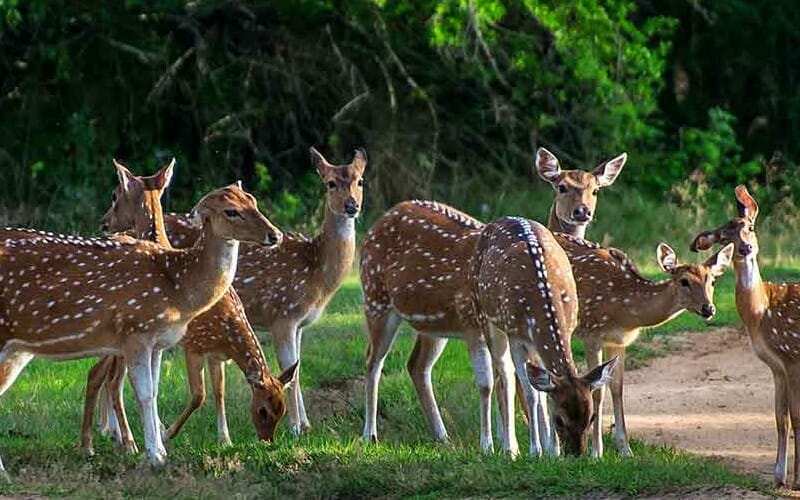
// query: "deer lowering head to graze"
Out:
[616,302]
[771,315]
[528,307]
[219,334]
[287,288]
[66,297]
[576,191]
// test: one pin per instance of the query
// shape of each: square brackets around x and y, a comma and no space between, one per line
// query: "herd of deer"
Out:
[513,289]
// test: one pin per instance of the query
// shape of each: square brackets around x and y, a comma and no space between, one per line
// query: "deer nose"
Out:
[351,206]
[273,239]
[745,249]
[582,213]
[708,310]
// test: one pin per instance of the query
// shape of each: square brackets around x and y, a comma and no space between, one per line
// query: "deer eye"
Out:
[331,185]
[685,282]
[362,182]
[562,188]
[752,228]
[230,212]
[559,421]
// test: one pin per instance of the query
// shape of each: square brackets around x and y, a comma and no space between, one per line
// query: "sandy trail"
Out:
[713,397]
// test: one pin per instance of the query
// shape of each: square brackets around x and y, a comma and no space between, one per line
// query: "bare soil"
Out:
[711,397]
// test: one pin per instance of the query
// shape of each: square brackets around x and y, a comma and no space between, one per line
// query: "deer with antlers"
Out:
[526,296]
[771,315]
[287,288]
[413,267]
[66,297]
[616,302]
[220,334]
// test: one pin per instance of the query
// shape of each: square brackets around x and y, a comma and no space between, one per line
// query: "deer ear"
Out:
[547,166]
[289,375]
[666,258]
[164,176]
[703,241]
[607,172]
[541,379]
[360,160]
[601,375]
[319,161]
[126,178]
[745,203]
[721,260]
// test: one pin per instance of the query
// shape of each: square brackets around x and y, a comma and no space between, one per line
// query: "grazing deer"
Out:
[528,307]
[577,193]
[771,315]
[66,297]
[216,336]
[616,302]
[287,288]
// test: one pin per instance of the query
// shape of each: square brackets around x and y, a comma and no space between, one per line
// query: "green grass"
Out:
[40,418]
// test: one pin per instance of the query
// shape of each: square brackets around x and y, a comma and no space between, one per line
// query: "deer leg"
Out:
[114,386]
[782,424]
[284,335]
[481,360]
[594,357]
[11,364]
[617,382]
[382,330]
[519,354]
[155,370]
[792,373]
[503,365]
[216,370]
[197,388]
[424,355]
[301,407]
[140,362]
[94,381]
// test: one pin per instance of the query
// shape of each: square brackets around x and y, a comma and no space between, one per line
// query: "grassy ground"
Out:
[40,415]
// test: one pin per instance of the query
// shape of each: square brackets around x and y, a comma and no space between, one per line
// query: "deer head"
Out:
[741,230]
[232,213]
[268,404]
[572,409]
[131,195]
[345,183]
[694,283]
[576,190]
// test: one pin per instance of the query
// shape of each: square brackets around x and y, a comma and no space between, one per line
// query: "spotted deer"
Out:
[771,315]
[452,234]
[528,308]
[220,334]
[66,297]
[573,208]
[287,288]
[615,302]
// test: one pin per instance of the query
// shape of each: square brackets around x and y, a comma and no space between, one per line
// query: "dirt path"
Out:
[713,397]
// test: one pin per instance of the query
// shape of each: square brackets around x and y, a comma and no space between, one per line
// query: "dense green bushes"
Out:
[450,98]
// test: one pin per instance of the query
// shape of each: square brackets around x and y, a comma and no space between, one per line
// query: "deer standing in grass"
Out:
[528,306]
[771,315]
[616,302]
[413,267]
[216,336]
[67,297]
[287,288]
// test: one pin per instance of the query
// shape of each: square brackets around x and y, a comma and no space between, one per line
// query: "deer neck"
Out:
[655,303]
[206,270]
[245,350]
[556,225]
[751,295]
[336,244]
[157,232]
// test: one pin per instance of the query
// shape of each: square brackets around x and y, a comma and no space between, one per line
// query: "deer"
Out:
[220,334]
[68,297]
[287,288]
[448,279]
[526,296]
[770,313]
[616,302]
